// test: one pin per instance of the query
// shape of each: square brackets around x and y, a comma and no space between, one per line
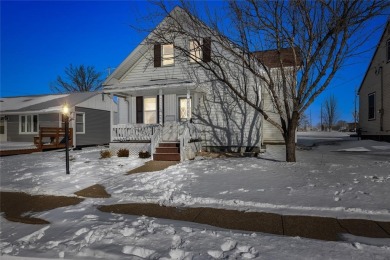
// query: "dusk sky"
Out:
[40,39]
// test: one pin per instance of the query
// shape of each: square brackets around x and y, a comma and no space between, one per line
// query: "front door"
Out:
[3,129]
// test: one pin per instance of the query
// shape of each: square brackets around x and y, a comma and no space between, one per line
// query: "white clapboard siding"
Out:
[101,102]
[270,133]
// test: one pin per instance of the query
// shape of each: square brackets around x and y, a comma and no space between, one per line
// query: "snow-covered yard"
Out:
[342,178]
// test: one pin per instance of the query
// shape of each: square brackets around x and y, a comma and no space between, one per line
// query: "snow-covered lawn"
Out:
[344,179]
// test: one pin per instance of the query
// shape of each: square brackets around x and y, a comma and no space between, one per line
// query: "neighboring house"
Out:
[163,97]
[374,93]
[22,117]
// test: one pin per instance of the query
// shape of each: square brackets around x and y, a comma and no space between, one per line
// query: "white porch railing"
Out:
[155,140]
[133,132]
[188,133]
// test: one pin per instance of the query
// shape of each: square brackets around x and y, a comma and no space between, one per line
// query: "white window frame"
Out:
[24,131]
[75,122]
[144,110]
[178,109]
[196,51]
[167,59]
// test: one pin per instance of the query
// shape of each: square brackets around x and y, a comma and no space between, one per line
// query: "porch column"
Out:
[188,104]
[111,96]
[160,106]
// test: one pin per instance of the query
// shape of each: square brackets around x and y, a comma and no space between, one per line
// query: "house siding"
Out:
[223,119]
[123,110]
[13,135]
[97,127]
[372,84]
[270,133]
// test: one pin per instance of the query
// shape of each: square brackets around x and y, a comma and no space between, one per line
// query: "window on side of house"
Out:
[28,124]
[371,106]
[196,54]
[388,50]
[80,123]
[167,53]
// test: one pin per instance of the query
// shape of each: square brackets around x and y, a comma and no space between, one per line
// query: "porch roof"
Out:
[152,87]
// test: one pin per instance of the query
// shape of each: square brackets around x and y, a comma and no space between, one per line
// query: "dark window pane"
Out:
[371,106]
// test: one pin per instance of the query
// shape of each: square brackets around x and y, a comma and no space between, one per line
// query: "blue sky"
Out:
[40,39]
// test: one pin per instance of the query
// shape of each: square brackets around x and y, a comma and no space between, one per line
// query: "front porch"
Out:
[154,112]
[173,141]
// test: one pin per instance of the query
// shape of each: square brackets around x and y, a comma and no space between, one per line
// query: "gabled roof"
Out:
[42,103]
[269,57]
[376,51]
[134,56]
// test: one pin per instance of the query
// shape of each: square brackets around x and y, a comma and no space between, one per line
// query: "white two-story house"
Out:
[168,100]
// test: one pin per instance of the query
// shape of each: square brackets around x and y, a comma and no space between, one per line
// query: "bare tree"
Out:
[311,40]
[304,122]
[330,111]
[78,79]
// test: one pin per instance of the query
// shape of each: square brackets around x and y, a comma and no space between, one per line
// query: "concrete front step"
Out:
[167,150]
[166,157]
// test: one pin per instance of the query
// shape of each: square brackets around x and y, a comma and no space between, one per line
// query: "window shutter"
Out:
[157,55]
[139,104]
[206,49]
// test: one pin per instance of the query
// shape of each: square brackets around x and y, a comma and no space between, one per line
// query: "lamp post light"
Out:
[66,114]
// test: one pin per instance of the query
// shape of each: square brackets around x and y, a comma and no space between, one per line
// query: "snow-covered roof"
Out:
[42,103]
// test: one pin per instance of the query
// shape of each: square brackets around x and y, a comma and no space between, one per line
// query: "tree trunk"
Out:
[290,138]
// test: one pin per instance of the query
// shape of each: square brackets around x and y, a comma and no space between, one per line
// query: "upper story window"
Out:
[388,50]
[28,124]
[371,106]
[167,55]
[196,53]
[163,55]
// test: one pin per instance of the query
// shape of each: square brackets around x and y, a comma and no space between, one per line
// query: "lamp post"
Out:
[65,113]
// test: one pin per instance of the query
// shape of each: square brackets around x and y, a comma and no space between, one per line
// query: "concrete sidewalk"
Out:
[329,229]
[152,166]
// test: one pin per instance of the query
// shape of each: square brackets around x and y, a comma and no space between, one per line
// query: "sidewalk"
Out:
[329,229]
[152,166]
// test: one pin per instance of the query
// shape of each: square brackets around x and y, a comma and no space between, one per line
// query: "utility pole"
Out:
[322,126]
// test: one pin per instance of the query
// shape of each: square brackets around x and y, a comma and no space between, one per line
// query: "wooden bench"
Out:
[56,136]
